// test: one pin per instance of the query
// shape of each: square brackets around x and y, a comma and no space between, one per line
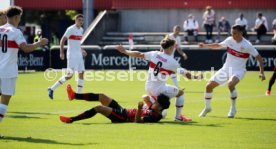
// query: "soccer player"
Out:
[162,65]
[271,82]
[116,113]
[3,17]
[238,51]
[11,40]
[75,55]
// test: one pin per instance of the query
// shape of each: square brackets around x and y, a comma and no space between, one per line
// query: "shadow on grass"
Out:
[247,118]
[37,140]
[34,113]
[23,116]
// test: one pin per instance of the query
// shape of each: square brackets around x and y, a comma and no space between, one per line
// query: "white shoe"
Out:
[232,113]
[204,112]
[186,42]
[210,41]
[257,41]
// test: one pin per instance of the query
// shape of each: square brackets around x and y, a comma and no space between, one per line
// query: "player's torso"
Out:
[74,42]
[8,51]
[145,112]
[237,54]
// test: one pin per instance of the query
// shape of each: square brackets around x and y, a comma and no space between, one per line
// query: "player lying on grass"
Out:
[113,111]
[161,66]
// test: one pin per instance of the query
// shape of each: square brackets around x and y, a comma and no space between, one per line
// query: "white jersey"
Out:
[238,53]
[177,42]
[74,35]
[161,66]
[10,38]
[242,22]
[261,21]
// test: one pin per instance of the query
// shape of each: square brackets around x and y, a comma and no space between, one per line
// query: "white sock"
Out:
[233,96]
[208,97]
[179,105]
[174,79]
[80,85]
[3,111]
[58,83]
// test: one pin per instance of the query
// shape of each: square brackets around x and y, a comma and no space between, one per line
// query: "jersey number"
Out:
[4,44]
[156,69]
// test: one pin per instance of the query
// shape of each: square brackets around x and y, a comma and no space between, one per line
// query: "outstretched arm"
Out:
[138,118]
[261,67]
[189,75]
[210,46]
[31,47]
[137,54]
[183,54]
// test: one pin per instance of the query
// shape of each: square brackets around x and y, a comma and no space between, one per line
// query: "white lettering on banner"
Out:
[99,59]
[30,60]
[268,62]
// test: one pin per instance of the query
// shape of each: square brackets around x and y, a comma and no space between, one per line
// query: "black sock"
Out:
[87,96]
[85,115]
[271,81]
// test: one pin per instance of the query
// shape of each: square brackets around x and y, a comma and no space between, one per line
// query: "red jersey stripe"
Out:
[162,70]
[11,44]
[237,53]
[75,37]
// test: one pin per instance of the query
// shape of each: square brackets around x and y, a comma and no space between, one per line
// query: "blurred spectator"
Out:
[223,26]
[190,27]
[242,22]
[274,31]
[209,21]
[3,18]
[261,26]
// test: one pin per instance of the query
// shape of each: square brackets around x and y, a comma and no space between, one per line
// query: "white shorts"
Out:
[7,86]
[223,75]
[75,64]
[168,90]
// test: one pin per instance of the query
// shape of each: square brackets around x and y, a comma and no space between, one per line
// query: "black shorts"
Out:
[118,114]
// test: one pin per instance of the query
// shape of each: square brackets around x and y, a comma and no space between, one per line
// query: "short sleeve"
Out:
[19,39]
[252,50]
[67,33]
[225,43]
[149,55]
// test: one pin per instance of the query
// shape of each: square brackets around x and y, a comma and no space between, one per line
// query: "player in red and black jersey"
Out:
[116,113]
[271,82]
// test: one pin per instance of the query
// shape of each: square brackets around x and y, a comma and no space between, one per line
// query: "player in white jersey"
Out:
[3,17]
[238,51]
[75,55]
[161,66]
[11,39]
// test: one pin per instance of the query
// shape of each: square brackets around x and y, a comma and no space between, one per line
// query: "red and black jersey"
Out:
[147,114]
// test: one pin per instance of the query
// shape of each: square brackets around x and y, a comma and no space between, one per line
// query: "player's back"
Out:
[11,38]
[161,66]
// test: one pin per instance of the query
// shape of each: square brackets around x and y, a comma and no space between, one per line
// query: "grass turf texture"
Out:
[32,119]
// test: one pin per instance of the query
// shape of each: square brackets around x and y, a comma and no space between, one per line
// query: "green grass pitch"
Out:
[32,120]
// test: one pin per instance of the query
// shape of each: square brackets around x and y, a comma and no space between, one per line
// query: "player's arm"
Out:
[62,42]
[138,118]
[31,47]
[210,46]
[147,100]
[189,75]
[84,53]
[137,54]
[261,66]
[183,54]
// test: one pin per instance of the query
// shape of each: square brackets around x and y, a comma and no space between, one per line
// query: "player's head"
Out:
[259,15]
[79,20]
[237,32]
[163,101]
[14,14]
[3,18]
[176,29]
[167,45]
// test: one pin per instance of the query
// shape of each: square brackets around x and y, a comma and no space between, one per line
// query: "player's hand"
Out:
[121,49]
[84,53]
[201,45]
[262,76]
[140,104]
[43,41]
[185,57]
[61,55]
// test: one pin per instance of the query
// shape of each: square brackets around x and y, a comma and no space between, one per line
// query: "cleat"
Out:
[70,92]
[232,113]
[50,93]
[267,93]
[204,112]
[182,118]
[65,119]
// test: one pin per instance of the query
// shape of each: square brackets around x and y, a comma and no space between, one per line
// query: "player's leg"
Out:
[220,77]
[7,86]
[271,82]
[233,81]
[174,79]
[179,104]
[80,82]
